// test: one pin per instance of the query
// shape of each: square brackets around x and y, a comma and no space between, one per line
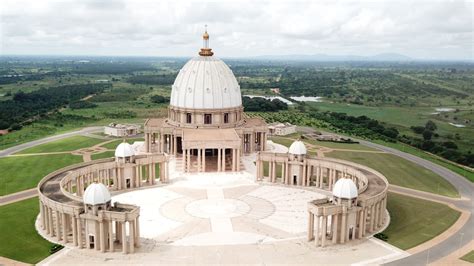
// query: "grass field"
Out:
[24,172]
[114,144]
[451,166]
[415,221]
[102,155]
[67,144]
[19,240]
[469,257]
[400,172]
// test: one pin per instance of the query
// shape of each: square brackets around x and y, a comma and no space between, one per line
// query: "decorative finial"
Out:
[205,51]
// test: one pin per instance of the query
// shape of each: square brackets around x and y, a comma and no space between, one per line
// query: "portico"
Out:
[219,146]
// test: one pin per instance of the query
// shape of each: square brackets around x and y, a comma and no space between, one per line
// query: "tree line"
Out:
[26,107]
[259,104]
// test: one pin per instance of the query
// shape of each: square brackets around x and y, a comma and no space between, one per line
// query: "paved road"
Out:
[25,194]
[30,144]
[466,190]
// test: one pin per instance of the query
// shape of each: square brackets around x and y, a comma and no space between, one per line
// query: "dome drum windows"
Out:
[189,118]
[207,119]
[226,118]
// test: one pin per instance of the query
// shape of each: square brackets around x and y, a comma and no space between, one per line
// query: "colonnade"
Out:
[330,220]
[319,173]
[199,154]
[254,141]
[338,224]
[118,176]
[67,224]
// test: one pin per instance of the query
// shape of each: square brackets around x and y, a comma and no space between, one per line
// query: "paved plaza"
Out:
[227,218]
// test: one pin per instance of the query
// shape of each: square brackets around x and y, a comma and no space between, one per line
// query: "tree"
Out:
[427,134]
[430,125]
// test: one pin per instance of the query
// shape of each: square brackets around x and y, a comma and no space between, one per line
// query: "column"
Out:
[41,214]
[58,227]
[51,222]
[310,226]
[199,160]
[273,177]
[137,232]
[74,230]
[238,160]
[366,211]
[377,213]
[361,225]
[219,160]
[372,218]
[111,237]
[335,227]
[102,236]
[223,160]
[303,179]
[148,142]
[175,146]
[316,234]
[189,161]
[79,232]
[252,142]
[124,238]
[344,227]
[162,142]
[65,227]
[131,238]
[233,160]
[324,231]
[46,222]
[204,160]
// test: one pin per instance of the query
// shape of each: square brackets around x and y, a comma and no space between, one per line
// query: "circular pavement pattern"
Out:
[217,208]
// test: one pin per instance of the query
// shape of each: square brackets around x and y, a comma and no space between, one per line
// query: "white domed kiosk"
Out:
[345,188]
[96,194]
[297,148]
[124,150]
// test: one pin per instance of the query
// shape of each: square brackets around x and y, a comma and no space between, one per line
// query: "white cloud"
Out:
[422,29]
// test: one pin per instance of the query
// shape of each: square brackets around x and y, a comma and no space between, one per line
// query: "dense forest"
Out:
[163,79]
[258,104]
[26,107]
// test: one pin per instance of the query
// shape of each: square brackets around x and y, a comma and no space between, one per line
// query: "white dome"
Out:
[297,148]
[96,193]
[205,82]
[124,150]
[345,189]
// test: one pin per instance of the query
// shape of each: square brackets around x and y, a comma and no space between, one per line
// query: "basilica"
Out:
[207,133]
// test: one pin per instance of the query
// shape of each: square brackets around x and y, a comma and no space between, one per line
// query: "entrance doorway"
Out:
[91,242]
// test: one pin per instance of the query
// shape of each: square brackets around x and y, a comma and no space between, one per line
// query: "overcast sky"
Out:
[419,29]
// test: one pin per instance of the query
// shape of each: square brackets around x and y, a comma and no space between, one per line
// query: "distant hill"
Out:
[325,57]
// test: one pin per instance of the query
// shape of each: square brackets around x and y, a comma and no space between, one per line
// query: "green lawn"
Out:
[451,166]
[415,221]
[114,144]
[24,172]
[19,240]
[102,155]
[400,172]
[469,257]
[67,144]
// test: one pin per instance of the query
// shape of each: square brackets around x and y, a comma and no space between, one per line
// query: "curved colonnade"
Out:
[65,217]
[331,220]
